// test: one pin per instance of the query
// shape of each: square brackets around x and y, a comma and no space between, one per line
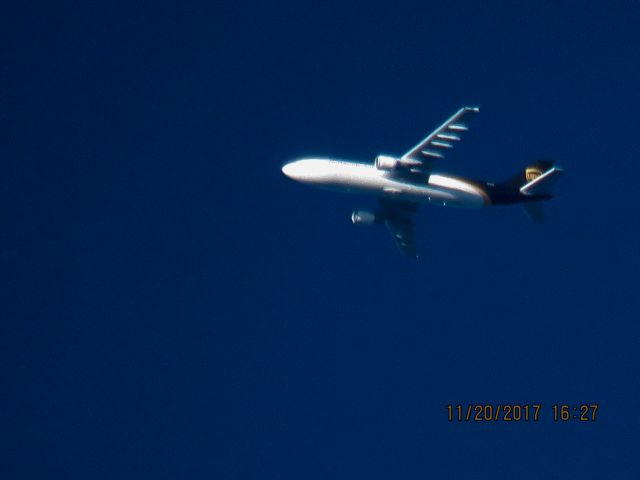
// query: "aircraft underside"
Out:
[402,183]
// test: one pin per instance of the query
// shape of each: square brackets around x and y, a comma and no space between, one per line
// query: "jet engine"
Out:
[362,217]
[384,162]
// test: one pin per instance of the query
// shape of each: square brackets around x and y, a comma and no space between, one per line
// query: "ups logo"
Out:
[531,173]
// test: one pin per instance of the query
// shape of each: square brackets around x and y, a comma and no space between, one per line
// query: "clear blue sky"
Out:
[173,307]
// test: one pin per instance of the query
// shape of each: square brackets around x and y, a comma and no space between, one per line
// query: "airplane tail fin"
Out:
[537,179]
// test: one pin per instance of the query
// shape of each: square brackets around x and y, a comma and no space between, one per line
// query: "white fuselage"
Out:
[354,177]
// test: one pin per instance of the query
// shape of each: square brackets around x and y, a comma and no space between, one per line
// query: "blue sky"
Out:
[174,307]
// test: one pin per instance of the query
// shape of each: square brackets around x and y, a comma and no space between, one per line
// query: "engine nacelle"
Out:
[384,162]
[362,217]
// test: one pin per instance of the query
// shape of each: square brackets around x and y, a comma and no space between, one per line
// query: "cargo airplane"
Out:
[402,183]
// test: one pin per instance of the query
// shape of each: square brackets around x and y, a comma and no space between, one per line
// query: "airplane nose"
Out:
[294,170]
[305,170]
[287,169]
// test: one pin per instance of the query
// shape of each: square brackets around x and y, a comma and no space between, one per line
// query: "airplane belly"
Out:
[433,194]
[413,193]
[441,197]
[462,199]
[440,190]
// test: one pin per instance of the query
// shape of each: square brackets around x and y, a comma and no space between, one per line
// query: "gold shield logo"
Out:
[531,173]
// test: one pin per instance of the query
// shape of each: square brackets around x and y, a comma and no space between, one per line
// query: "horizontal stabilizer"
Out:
[543,183]
[534,211]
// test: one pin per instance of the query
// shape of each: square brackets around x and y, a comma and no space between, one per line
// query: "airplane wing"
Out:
[398,216]
[404,234]
[441,140]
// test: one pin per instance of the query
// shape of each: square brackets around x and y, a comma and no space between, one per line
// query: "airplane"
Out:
[403,183]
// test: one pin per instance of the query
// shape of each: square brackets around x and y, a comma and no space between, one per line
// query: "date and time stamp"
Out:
[533,412]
